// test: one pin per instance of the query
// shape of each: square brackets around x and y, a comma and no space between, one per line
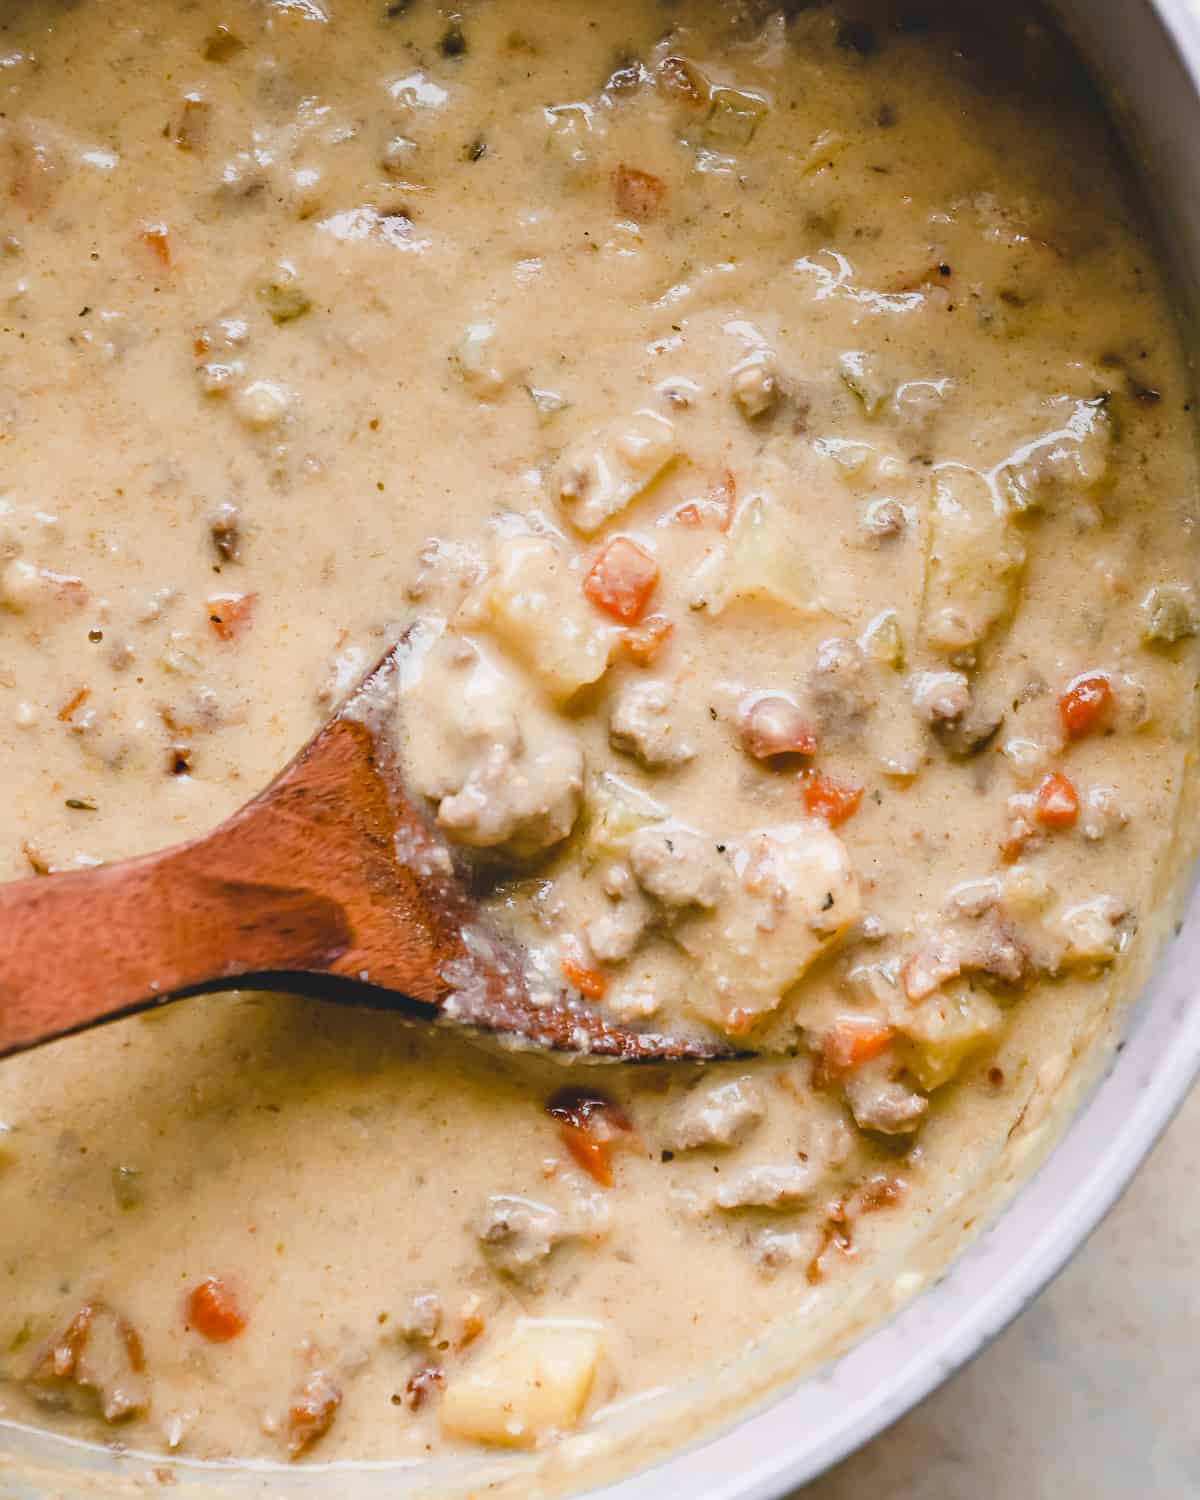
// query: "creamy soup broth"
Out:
[769,428]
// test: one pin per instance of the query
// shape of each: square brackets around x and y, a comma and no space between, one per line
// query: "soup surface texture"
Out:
[768,428]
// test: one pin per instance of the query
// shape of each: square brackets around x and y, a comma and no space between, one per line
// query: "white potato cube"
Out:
[794,894]
[615,812]
[1093,932]
[607,472]
[765,562]
[535,606]
[527,1387]
[974,562]
[944,1030]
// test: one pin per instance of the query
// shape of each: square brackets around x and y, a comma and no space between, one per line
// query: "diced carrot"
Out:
[158,238]
[854,1040]
[1057,801]
[212,1310]
[230,614]
[835,801]
[642,643]
[587,980]
[639,194]
[592,1155]
[1085,704]
[1012,846]
[621,580]
[588,1126]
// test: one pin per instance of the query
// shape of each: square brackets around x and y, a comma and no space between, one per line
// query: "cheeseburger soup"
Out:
[765,428]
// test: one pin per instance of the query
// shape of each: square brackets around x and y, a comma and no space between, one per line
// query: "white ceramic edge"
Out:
[1150,50]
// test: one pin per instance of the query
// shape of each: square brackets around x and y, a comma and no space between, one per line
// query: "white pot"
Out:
[1147,56]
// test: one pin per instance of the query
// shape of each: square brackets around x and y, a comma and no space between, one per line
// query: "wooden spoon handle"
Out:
[94,944]
[302,883]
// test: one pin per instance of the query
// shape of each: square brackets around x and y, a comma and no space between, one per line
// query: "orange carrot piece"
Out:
[230,614]
[1085,704]
[212,1310]
[642,643]
[853,1041]
[158,238]
[1057,801]
[835,801]
[589,981]
[588,1126]
[621,580]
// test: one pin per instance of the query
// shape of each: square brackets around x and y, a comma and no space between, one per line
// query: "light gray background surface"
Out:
[1094,1392]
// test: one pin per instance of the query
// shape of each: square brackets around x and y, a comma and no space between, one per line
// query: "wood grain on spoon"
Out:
[330,882]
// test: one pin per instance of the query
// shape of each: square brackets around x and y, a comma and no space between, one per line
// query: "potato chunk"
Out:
[794,894]
[944,1030]
[535,606]
[974,563]
[525,1388]
[616,811]
[608,471]
[765,563]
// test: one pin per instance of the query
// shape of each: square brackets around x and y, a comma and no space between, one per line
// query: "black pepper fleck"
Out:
[453,42]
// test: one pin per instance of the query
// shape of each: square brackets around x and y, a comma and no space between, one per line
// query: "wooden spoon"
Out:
[331,882]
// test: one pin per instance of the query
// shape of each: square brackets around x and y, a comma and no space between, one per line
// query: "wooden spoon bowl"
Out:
[331,882]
